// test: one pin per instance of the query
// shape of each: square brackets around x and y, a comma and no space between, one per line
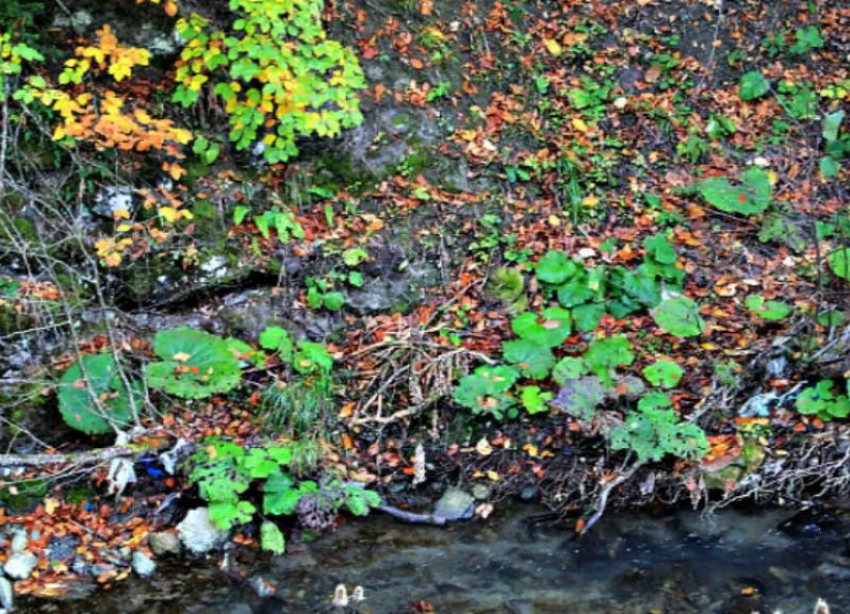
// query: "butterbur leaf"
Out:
[551,329]
[555,268]
[753,85]
[587,316]
[664,373]
[839,262]
[679,316]
[831,125]
[271,538]
[569,368]
[605,355]
[534,360]
[77,394]
[211,368]
[752,196]
[661,249]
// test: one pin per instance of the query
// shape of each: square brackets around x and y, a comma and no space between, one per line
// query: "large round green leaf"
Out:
[555,268]
[194,364]
[102,382]
[839,262]
[751,197]
[533,359]
[551,329]
[679,316]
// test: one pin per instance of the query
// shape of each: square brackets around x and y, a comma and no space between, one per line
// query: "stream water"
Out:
[677,563]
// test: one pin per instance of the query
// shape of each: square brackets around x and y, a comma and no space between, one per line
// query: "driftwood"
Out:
[410,517]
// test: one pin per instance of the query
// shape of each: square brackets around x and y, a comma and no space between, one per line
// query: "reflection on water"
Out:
[631,564]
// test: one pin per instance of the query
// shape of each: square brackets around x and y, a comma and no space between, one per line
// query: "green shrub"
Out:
[654,431]
[277,74]
[77,394]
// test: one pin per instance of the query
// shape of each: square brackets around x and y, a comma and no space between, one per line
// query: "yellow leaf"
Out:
[181,357]
[483,447]
[492,476]
[580,125]
[590,201]
[553,46]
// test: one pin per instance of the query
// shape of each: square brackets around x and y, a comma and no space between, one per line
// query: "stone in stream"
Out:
[20,565]
[163,543]
[143,565]
[198,534]
[7,594]
[455,504]
[19,541]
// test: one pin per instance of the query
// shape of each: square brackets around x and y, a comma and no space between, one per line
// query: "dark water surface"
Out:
[679,563]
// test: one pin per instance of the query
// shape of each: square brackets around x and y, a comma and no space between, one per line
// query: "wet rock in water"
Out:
[833,571]
[264,587]
[198,534]
[809,523]
[455,504]
[480,492]
[164,543]
[20,565]
[143,565]
[7,594]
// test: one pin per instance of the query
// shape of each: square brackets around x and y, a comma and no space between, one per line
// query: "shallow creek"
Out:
[676,563]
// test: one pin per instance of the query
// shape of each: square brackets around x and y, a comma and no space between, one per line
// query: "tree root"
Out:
[411,517]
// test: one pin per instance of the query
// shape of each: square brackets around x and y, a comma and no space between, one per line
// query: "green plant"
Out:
[533,359]
[753,85]
[505,285]
[300,407]
[13,56]
[820,400]
[664,373]
[194,364]
[679,316]
[837,147]
[751,197]
[808,39]
[605,355]
[276,72]
[769,310]
[94,399]
[550,329]
[839,262]
[486,390]
[654,431]
[534,400]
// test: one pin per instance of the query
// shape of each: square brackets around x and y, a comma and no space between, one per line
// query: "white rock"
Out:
[198,534]
[7,594]
[143,565]
[20,565]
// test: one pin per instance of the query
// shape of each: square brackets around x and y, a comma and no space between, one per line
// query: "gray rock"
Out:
[164,543]
[455,504]
[198,534]
[20,565]
[143,565]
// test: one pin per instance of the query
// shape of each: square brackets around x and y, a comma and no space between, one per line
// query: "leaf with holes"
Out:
[77,394]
